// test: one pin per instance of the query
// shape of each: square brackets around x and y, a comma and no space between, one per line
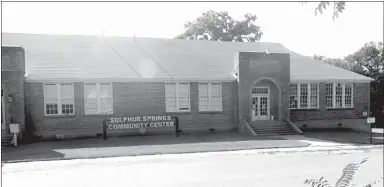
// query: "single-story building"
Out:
[73,83]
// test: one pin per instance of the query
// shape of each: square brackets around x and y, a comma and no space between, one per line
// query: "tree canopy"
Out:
[368,60]
[219,26]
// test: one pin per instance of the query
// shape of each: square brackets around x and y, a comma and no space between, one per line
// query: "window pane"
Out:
[50,93]
[106,105]
[90,91]
[51,108]
[67,109]
[303,95]
[203,96]
[183,96]
[314,95]
[90,99]
[348,95]
[329,95]
[260,90]
[293,98]
[170,97]
[67,91]
[339,95]
[105,91]
[216,100]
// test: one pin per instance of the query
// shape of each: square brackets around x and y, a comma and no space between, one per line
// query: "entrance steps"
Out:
[6,139]
[272,128]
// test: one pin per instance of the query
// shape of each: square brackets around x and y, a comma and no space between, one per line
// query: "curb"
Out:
[269,150]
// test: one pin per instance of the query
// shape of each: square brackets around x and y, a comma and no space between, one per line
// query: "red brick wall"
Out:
[360,103]
[278,71]
[130,99]
[12,80]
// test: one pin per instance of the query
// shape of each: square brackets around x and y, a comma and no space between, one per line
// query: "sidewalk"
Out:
[169,144]
[144,145]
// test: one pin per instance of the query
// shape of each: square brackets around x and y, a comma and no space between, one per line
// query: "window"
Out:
[329,95]
[210,97]
[59,99]
[304,95]
[293,98]
[339,95]
[98,98]
[177,97]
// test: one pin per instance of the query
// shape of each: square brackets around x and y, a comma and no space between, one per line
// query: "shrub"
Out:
[346,178]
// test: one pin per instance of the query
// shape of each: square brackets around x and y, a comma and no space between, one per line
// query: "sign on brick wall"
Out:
[140,122]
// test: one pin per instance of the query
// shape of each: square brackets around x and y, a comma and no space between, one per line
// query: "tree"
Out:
[338,7]
[368,60]
[219,26]
[370,57]
[341,63]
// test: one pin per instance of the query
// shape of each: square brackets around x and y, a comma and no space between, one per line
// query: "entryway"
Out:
[260,103]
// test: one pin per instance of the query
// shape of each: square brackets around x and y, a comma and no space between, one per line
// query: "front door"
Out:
[260,103]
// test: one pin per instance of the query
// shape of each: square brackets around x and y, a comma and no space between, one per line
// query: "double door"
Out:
[260,105]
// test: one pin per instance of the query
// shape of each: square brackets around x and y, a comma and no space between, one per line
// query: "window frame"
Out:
[59,98]
[98,98]
[177,104]
[298,95]
[342,95]
[209,89]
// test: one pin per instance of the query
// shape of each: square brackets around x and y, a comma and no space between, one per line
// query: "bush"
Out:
[29,131]
[346,178]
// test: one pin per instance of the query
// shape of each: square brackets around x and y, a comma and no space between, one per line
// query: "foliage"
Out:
[219,26]
[368,60]
[338,7]
[370,57]
[346,178]
[29,131]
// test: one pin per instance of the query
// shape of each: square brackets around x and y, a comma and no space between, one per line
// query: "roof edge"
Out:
[58,80]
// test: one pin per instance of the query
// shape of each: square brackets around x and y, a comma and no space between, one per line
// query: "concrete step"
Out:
[6,139]
[264,129]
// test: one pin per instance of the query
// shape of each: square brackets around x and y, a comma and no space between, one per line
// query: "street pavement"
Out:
[241,168]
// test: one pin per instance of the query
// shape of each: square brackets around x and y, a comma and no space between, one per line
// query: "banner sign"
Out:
[140,122]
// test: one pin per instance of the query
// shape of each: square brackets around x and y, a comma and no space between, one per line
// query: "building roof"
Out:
[74,57]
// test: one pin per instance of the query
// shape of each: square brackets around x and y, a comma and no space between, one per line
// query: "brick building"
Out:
[76,82]
[12,89]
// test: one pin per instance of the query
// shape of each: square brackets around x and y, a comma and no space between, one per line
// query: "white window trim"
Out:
[59,106]
[343,94]
[210,108]
[177,110]
[298,85]
[97,98]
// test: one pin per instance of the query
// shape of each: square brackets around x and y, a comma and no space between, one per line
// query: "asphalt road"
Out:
[192,170]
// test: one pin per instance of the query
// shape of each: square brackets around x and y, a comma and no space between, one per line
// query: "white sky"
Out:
[291,23]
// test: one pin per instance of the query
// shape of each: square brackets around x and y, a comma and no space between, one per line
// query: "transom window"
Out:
[98,98]
[304,95]
[177,97]
[59,99]
[339,95]
[210,97]
[259,90]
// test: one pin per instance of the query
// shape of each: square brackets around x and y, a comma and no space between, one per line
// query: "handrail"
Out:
[249,128]
[297,129]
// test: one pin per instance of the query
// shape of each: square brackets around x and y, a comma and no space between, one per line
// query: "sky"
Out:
[290,23]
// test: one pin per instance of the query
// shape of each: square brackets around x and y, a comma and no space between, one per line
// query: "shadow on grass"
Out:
[344,135]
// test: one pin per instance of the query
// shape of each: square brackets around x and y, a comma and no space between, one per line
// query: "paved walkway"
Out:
[145,145]
[169,144]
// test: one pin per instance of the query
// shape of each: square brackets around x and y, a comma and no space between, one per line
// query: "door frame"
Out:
[253,117]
